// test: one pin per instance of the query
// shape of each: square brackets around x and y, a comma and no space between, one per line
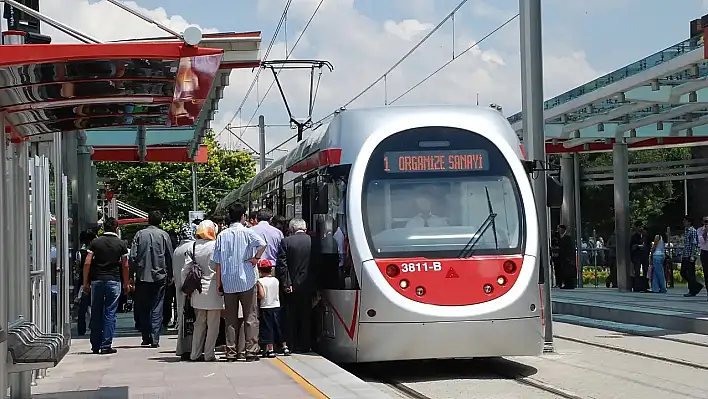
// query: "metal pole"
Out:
[261,141]
[4,263]
[195,193]
[620,161]
[22,383]
[64,28]
[533,125]
[578,218]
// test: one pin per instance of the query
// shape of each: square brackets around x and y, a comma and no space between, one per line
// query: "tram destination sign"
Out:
[436,161]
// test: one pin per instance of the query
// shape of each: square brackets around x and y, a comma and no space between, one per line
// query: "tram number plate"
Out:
[421,267]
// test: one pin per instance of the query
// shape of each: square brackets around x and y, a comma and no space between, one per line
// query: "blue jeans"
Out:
[658,280]
[104,303]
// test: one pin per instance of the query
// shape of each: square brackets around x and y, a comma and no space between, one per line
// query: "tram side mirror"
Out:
[321,202]
[554,192]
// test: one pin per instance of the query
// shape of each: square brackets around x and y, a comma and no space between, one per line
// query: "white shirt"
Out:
[271,292]
[433,221]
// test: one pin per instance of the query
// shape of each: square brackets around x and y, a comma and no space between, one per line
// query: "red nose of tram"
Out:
[452,282]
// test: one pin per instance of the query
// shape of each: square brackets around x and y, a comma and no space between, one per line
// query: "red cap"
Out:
[265,263]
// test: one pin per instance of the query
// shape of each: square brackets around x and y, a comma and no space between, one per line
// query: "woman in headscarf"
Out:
[207,304]
[179,259]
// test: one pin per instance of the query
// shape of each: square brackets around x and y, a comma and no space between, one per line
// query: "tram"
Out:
[429,218]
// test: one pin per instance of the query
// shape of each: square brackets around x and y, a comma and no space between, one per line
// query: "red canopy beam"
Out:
[154,154]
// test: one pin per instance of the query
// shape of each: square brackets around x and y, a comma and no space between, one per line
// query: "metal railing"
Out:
[599,262]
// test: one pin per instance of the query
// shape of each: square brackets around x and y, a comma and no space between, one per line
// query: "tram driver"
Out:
[425,217]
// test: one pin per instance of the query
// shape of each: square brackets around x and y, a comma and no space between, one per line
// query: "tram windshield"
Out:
[425,194]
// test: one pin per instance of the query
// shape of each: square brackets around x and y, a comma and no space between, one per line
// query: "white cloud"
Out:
[361,49]
[106,22]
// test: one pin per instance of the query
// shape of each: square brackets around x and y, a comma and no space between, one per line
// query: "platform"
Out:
[137,372]
[645,313]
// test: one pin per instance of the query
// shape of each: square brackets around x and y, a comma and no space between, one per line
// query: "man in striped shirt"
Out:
[688,258]
[236,254]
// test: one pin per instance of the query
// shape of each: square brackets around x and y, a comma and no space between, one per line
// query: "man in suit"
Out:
[566,258]
[297,278]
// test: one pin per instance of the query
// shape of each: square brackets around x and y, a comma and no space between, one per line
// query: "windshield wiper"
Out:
[467,251]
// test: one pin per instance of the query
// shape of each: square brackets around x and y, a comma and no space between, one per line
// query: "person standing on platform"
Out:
[688,258]
[271,235]
[566,257]
[236,254]
[703,243]
[151,258]
[208,304]
[179,259]
[106,262]
[83,301]
[294,269]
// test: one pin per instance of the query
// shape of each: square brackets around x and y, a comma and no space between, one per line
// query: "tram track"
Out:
[634,352]
[447,371]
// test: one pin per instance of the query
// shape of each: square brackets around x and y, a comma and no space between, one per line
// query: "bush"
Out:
[592,274]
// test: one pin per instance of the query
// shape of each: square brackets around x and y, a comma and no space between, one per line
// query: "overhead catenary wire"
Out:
[258,73]
[399,62]
[415,86]
[287,57]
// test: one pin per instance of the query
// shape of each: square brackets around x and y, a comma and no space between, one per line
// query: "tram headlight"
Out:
[488,289]
[420,291]
[501,280]
[392,270]
[403,284]
[509,267]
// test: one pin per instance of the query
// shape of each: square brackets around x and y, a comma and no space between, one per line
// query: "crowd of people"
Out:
[244,280]
[652,258]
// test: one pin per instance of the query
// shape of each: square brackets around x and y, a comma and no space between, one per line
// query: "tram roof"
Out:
[125,95]
[658,101]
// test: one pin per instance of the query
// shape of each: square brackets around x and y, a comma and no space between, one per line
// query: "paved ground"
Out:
[671,303]
[583,371]
[136,372]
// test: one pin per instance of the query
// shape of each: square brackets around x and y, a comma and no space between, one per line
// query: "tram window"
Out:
[289,200]
[298,199]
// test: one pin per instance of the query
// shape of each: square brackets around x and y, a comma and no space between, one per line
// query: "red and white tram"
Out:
[430,218]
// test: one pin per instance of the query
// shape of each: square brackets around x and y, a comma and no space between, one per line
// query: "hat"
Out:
[265,263]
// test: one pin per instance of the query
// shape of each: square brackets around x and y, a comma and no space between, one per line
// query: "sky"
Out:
[582,40]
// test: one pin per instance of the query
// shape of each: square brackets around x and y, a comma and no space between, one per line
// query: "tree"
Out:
[167,187]
[647,201]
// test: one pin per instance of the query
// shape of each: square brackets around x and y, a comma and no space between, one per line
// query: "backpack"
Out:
[193,280]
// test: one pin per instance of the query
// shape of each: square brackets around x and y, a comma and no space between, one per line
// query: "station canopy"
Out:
[139,101]
[659,101]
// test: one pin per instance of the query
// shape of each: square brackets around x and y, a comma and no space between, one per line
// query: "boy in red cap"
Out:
[269,298]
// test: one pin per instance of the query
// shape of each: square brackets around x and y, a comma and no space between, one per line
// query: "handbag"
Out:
[193,279]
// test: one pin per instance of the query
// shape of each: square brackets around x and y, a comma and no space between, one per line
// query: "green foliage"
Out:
[592,275]
[646,200]
[167,187]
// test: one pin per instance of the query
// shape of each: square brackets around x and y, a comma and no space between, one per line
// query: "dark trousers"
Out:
[169,305]
[149,306]
[704,264]
[269,325]
[104,303]
[83,306]
[297,314]
[688,272]
[558,272]
[612,278]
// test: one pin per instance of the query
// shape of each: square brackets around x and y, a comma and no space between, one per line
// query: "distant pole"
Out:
[534,140]
[195,194]
[261,141]
[477,98]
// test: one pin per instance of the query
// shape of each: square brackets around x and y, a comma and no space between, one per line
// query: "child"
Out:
[269,296]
